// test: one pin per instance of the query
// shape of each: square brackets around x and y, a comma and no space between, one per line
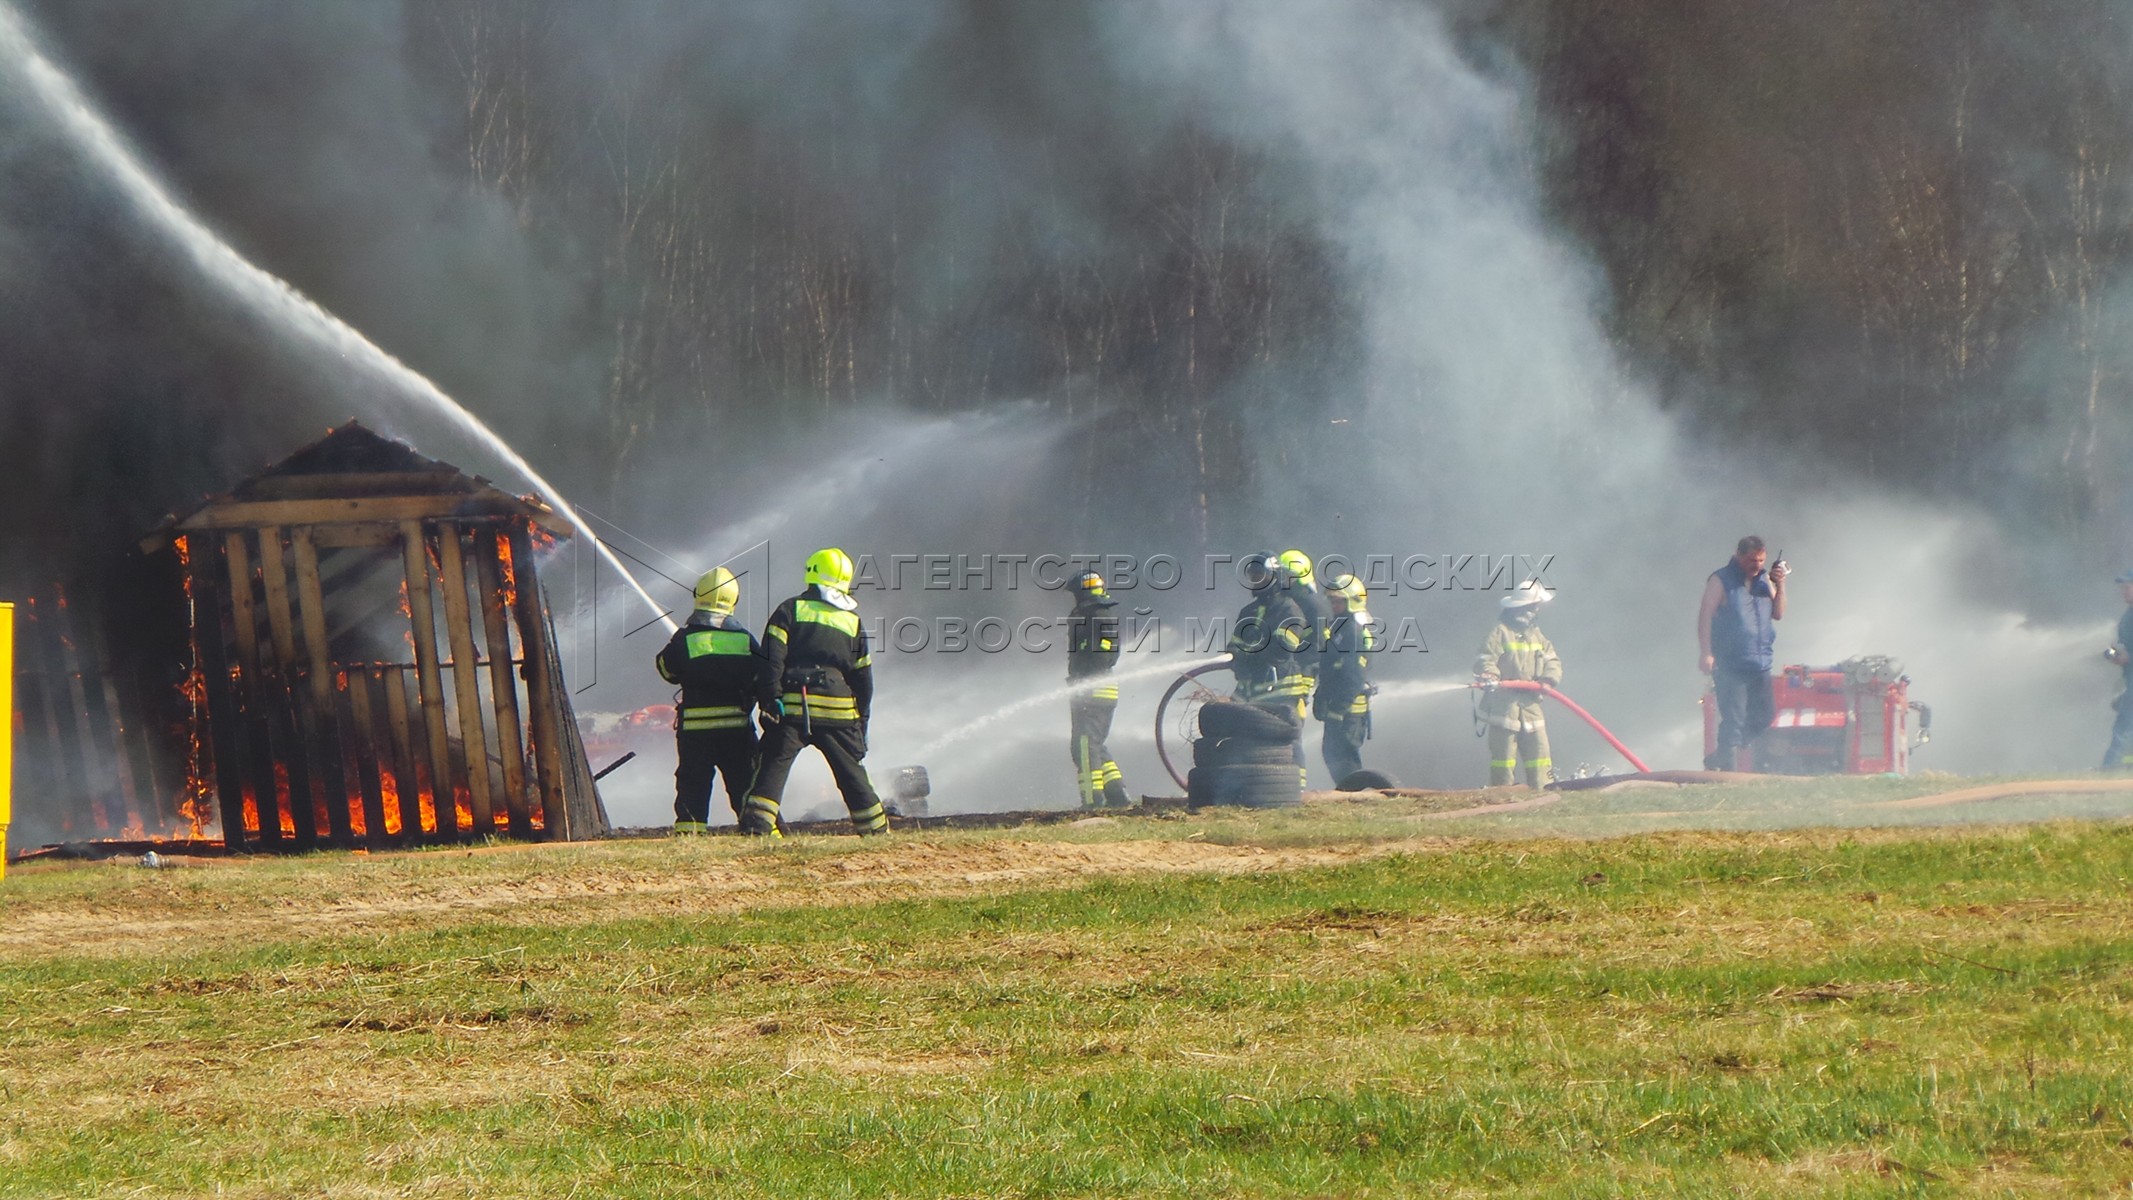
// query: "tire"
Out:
[1199,789]
[1238,752]
[1255,786]
[1366,780]
[1236,719]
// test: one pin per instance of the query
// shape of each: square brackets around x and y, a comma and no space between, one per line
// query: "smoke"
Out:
[952,278]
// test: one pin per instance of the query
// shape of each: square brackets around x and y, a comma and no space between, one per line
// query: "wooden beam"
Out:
[224,735]
[406,780]
[542,688]
[466,675]
[253,514]
[323,724]
[345,537]
[90,755]
[280,677]
[360,736]
[422,616]
[503,683]
[254,707]
[353,484]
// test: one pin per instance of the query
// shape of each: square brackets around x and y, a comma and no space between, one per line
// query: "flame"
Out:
[510,568]
[286,810]
[195,796]
[251,811]
[425,798]
[389,788]
[463,808]
[542,540]
[407,634]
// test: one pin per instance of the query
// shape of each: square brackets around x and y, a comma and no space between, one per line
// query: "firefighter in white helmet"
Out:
[816,681]
[1342,700]
[1516,649]
[712,659]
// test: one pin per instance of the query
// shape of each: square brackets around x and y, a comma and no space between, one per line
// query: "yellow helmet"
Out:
[717,591]
[830,567]
[1296,565]
[1348,588]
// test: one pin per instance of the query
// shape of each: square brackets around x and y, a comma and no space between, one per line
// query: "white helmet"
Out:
[1528,593]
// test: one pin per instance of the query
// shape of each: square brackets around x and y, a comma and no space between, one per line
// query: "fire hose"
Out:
[1542,689]
[1162,706]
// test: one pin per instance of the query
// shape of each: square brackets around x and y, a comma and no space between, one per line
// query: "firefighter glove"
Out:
[773,708]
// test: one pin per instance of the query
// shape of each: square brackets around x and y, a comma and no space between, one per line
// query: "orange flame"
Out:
[251,810]
[286,810]
[389,788]
[426,798]
[463,809]
[195,803]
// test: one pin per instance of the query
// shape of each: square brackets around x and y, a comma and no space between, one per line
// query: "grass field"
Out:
[1354,1000]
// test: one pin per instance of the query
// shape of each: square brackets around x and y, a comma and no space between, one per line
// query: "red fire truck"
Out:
[1850,719]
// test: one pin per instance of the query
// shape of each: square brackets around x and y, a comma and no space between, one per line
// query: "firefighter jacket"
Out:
[713,659]
[1318,611]
[815,661]
[1270,647]
[1344,685]
[1512,653]
[1092,637]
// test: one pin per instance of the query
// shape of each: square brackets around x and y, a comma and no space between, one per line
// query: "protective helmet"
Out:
[1089,583]
[830,568]
[1526,595]
[1348,588]
[1296,565]
[1259,570]
[717,591]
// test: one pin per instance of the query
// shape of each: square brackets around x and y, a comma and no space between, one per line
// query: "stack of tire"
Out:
[1246,757]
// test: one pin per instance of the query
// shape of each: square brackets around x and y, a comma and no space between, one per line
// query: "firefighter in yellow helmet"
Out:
[1342,700]
[712,659]
[816,682]
[1272,645]
[1092,650]
[1517,727]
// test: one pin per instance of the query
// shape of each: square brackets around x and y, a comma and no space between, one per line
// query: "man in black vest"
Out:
[1734,630]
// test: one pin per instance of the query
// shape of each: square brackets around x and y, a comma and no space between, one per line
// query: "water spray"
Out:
[269,293]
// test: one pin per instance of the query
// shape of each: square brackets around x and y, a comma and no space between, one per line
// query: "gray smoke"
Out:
[955,278]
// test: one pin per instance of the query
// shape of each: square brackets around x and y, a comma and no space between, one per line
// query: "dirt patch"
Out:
[571,884]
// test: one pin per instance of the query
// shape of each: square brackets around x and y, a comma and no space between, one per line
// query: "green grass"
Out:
[1342,1002]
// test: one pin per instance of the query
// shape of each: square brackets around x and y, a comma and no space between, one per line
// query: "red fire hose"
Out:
[1526,685]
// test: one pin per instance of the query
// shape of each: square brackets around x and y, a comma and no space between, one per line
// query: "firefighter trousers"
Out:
[2119,757]
[1530,747]
[842,746]
[700,756]
[1342,744]
[1095,773]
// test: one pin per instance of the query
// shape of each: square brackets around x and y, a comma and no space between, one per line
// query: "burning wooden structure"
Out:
[373,660]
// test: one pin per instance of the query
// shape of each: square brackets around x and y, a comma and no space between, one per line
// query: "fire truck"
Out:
[1850,719]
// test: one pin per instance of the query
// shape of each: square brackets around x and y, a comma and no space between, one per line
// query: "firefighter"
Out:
[1517,649]
[1092,650]
[1271,647]
[816,683]
[2119,757]
[1342,700]
[713,660]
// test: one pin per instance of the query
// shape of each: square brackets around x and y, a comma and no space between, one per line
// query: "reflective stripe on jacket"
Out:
[1517,654]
